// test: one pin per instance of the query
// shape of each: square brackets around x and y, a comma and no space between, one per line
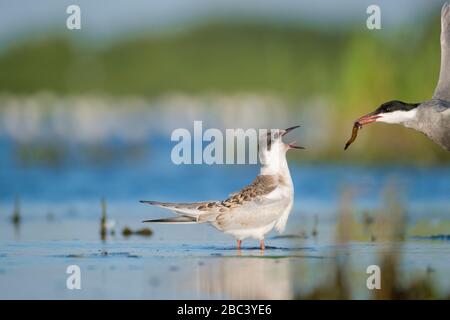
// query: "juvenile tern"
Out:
[431,117]
[255,210]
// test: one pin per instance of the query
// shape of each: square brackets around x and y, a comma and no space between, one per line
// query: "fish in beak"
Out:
[358,124]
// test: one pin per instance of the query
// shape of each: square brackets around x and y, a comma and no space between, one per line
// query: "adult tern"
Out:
[431,117]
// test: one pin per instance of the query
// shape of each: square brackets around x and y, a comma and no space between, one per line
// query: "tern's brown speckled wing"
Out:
[262,185]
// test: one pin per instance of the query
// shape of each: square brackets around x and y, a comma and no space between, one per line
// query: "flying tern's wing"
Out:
[443,87]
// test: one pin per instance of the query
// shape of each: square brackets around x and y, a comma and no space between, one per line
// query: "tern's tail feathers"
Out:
[179,219]
[188,209]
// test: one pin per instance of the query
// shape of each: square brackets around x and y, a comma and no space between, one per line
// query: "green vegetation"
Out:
[288,61]
[389,228]
[354,71]
[293,62]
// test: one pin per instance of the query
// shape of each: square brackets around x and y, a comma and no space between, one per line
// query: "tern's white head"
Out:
[391,112]
[272,150]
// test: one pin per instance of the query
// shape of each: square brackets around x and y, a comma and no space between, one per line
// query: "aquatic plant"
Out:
[103,220]
[387,226]
[144,232]
[16,217]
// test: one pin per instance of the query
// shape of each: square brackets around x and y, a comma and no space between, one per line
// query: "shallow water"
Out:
[194,262]
[60,211]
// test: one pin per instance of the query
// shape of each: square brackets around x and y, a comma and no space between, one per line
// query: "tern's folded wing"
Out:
[263,188]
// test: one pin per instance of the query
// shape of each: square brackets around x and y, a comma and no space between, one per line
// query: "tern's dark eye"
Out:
[385,108]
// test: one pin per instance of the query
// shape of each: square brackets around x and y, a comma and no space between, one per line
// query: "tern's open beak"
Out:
[292,144]
[286,131]
[368,118]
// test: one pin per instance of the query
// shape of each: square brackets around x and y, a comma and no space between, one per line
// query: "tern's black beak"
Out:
[286,131]
[292,144]
[368,118]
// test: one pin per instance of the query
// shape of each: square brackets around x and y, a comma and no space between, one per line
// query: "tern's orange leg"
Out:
[239,244]
[262,246]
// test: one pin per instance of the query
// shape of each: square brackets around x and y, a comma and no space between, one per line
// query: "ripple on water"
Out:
[438,237]
[103,254]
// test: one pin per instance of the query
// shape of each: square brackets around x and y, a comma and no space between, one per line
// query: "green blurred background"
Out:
[281,50]
[86,118]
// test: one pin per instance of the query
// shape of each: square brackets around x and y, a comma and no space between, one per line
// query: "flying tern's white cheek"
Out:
[392,117]
[381,119]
